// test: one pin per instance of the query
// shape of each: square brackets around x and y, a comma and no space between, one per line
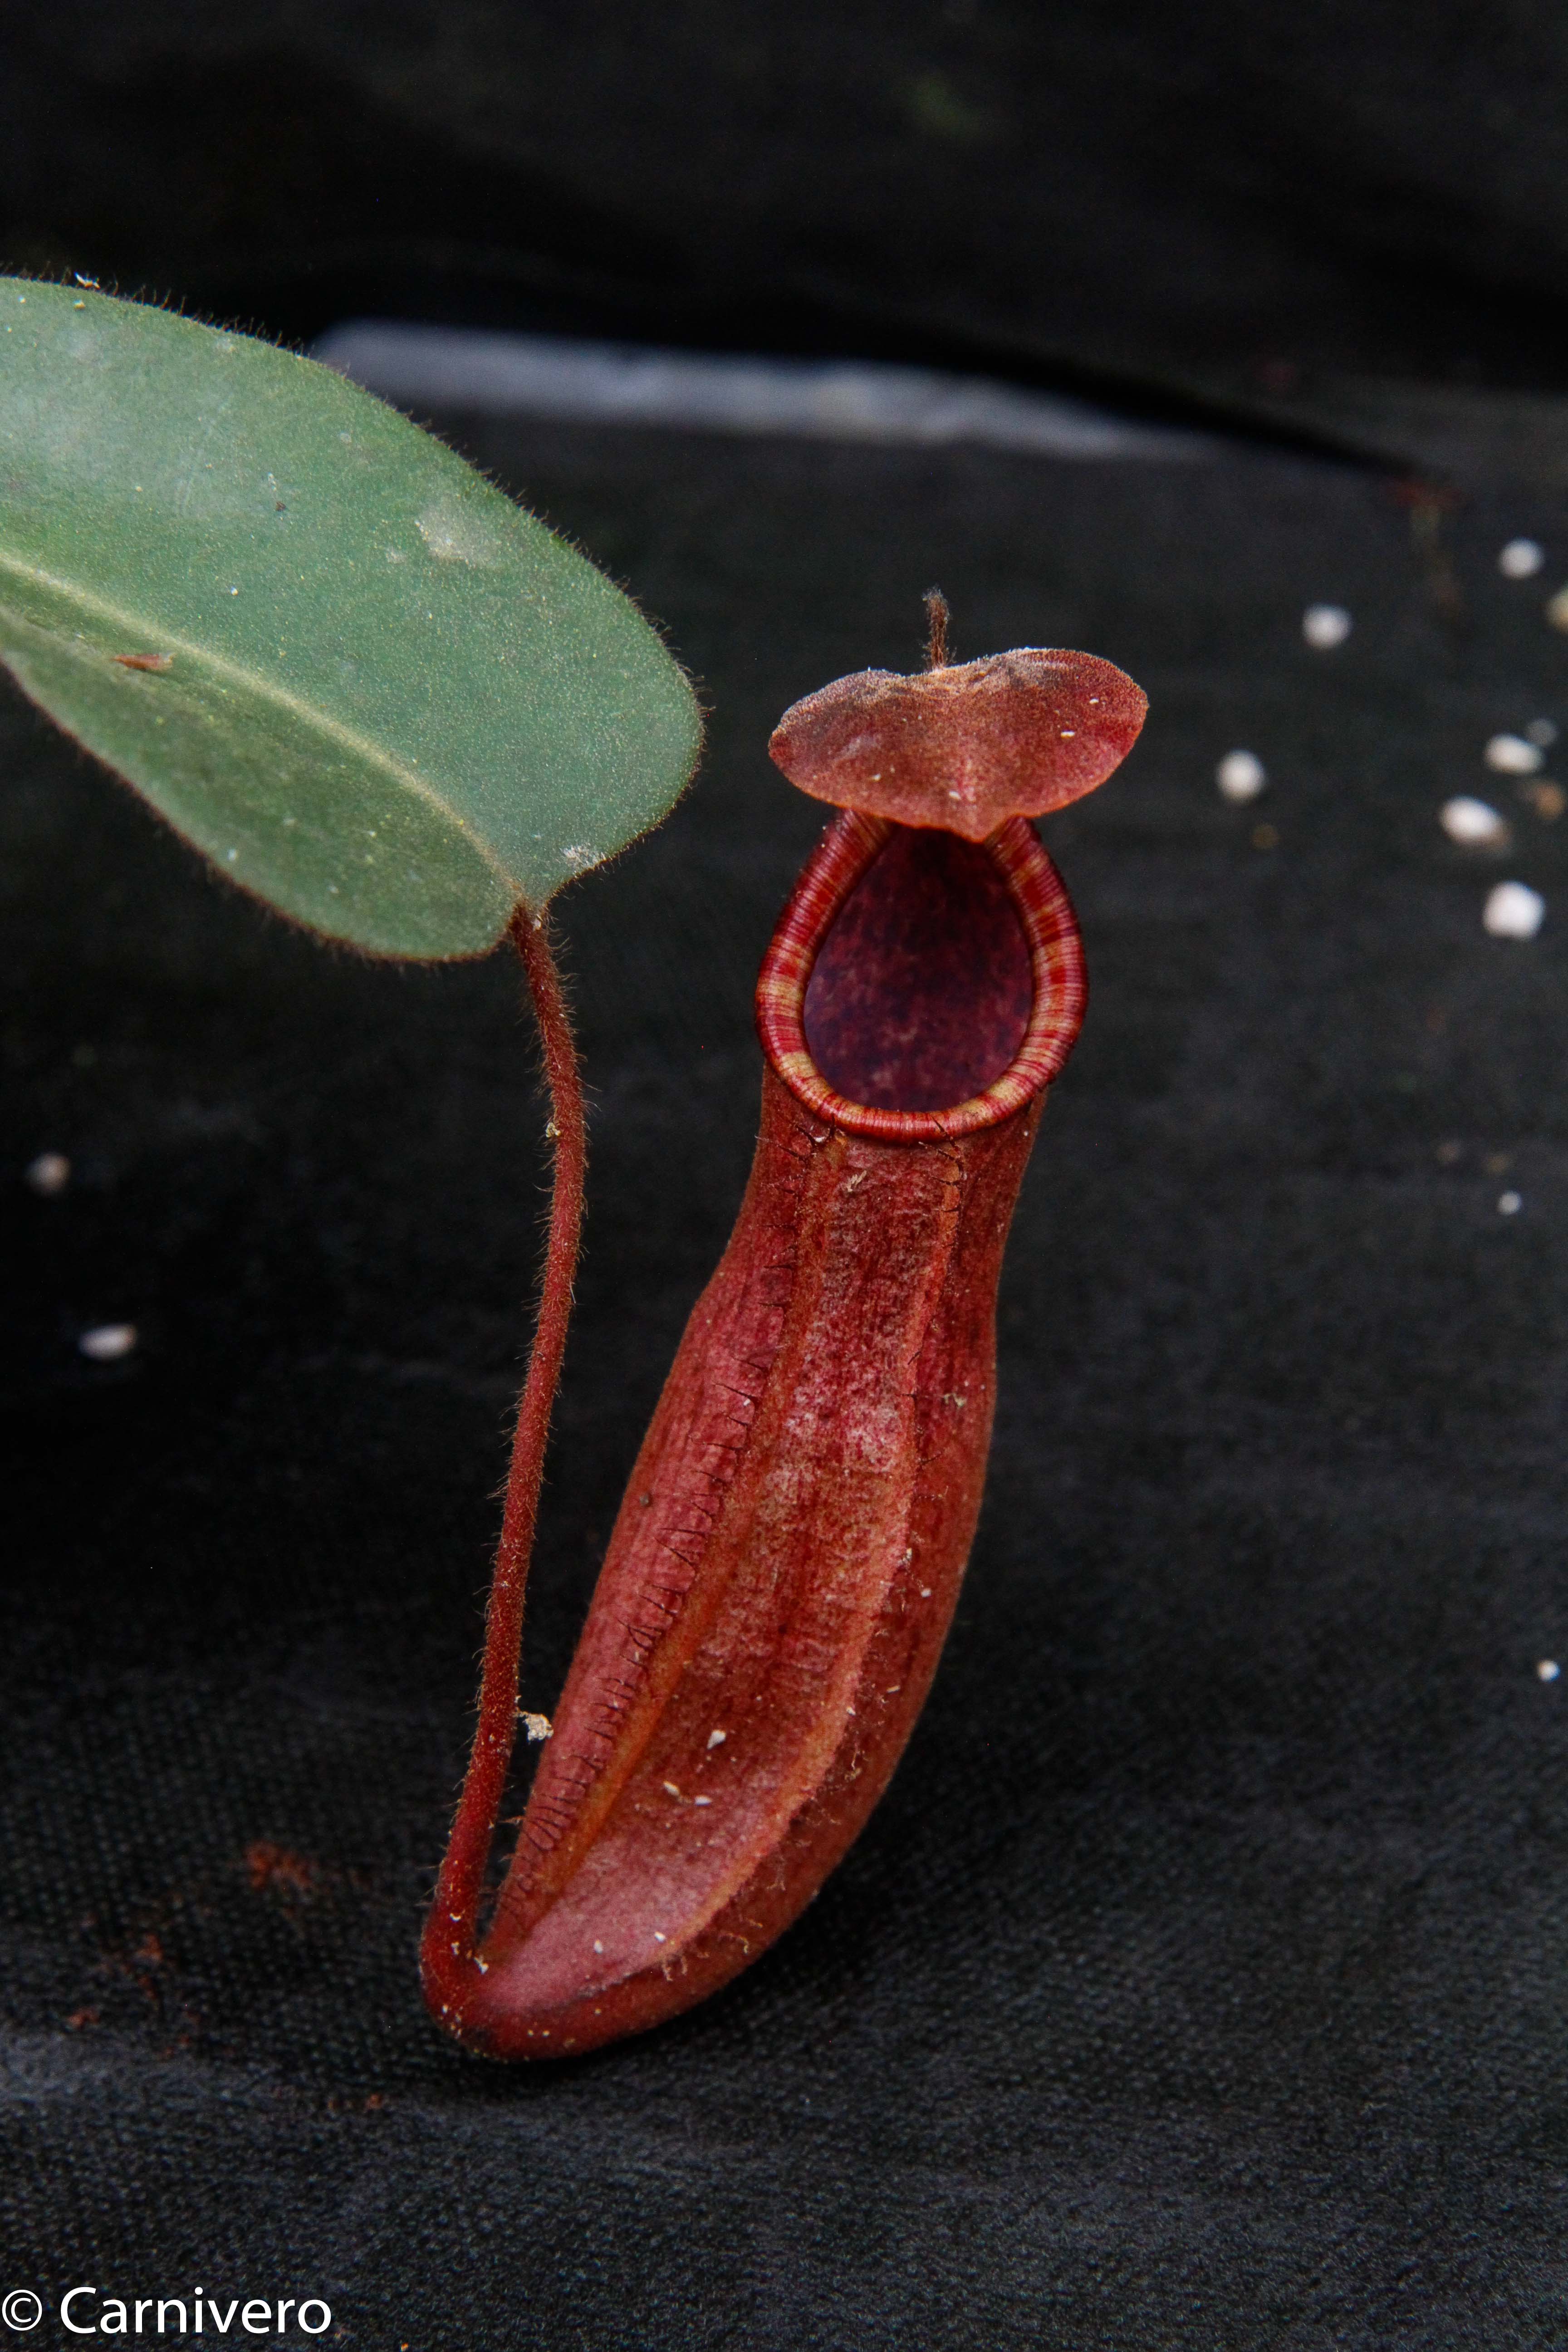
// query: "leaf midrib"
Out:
[266,689]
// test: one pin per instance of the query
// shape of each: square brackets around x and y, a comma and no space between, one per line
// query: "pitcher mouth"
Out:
[1044,915]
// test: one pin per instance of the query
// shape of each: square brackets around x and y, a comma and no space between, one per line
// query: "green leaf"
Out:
[374,690]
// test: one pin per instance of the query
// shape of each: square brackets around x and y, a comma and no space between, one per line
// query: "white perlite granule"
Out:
[1513,911]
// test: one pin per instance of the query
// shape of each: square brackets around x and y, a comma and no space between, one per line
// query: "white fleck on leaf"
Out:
[455,535]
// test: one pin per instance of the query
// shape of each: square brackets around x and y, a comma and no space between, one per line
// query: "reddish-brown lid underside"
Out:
[967,746]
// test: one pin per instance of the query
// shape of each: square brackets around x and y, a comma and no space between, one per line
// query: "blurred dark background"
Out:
[1228,204]
[1202,1983]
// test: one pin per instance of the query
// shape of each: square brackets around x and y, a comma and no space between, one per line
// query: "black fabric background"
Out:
[1215,199]
[1201,1979]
